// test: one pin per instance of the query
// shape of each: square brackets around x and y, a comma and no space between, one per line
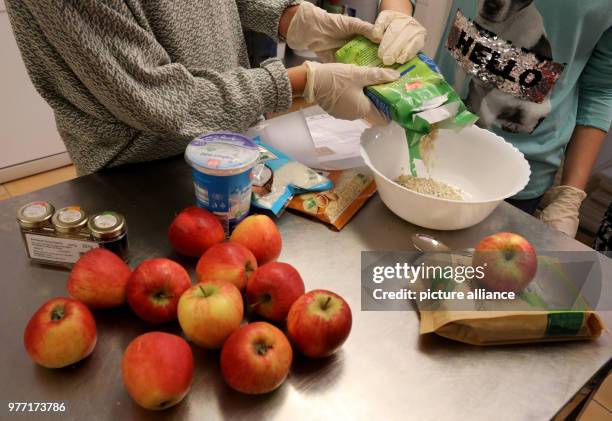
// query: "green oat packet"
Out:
[420,100]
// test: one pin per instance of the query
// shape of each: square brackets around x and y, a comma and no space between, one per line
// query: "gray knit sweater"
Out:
[135,80]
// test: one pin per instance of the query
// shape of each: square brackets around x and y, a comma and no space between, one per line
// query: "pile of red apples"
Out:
[158,367]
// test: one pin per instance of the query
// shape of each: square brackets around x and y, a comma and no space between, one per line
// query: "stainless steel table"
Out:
[384,371]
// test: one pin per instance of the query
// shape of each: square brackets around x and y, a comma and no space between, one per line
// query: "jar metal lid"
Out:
[106,225]
[35,214]
[69,219]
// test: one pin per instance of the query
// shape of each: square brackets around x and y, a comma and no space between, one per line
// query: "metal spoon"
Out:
[427,243]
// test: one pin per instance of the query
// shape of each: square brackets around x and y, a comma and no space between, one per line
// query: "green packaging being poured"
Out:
[420,100]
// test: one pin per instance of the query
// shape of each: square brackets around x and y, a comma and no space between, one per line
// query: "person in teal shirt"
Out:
[539,74]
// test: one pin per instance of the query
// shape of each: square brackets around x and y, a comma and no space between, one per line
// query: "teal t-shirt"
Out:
[532,71]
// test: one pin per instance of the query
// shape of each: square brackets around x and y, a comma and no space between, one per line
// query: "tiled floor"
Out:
[36,182]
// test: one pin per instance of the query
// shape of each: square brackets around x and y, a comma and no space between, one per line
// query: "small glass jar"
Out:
[35,217]
[34,221]
[71,222]
[55,238]
[109,230]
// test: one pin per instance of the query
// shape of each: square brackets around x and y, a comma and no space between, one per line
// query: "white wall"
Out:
[29,142]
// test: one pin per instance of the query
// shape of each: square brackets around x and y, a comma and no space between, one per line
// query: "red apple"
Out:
[256,358]
[259,234]
[194,230]
[154,289]
[209,312]
[272,289]
[157,370]
[319,322]
[99,279]
[231,262]
[507,260]
[60,333]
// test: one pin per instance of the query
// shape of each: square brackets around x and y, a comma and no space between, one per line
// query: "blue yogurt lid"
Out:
[222,153]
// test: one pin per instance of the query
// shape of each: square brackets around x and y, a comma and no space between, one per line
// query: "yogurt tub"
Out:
[221,165]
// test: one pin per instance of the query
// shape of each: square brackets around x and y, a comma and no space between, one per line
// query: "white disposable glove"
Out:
[400,36]
[338,89]
[312,28]
[562,204]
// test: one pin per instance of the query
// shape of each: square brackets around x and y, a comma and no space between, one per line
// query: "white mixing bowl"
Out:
[483,165]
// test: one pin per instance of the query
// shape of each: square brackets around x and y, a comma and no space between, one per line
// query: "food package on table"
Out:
[504,327]
[530,317]
[352,188]
[420,100]
[276,178]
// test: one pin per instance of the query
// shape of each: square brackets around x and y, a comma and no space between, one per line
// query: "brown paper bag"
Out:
[506,327]
[524,319]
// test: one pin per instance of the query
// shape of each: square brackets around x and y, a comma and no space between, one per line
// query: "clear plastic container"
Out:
[221,168]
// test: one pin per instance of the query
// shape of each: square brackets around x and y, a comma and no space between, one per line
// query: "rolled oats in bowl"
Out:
[430,187]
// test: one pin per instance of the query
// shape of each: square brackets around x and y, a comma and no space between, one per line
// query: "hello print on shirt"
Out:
[506,54]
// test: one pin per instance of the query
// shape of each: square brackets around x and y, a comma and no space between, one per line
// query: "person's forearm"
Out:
[285,20]
[403,6]
[580,156]
[297,78]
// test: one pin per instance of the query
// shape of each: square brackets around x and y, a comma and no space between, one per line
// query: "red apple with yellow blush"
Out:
[230,261]
[194,230]
[60,333]
[99,279]
[508,262]
[256,358]
[157,370]
[154,289]
[319,322]
[259,234]
[272,289]
[209,312]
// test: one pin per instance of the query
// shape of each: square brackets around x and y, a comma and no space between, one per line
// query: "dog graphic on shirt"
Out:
[519,22]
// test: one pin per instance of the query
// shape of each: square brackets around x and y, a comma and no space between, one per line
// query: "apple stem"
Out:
[57,313]
[326,303]
[203,291]
[248,269]
[264,299]
[262,348]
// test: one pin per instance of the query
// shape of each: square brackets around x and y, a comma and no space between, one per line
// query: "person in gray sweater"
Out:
[135,80]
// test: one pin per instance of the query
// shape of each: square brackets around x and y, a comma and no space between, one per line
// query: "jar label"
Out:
[35,211]
[56,249]
[70,215]
[105,221]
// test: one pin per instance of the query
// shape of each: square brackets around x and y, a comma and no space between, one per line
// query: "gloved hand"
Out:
[400,36]
[312,28]
[338,89]
[561,208]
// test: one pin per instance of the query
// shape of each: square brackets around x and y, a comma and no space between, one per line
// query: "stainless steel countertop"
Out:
[384,371]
